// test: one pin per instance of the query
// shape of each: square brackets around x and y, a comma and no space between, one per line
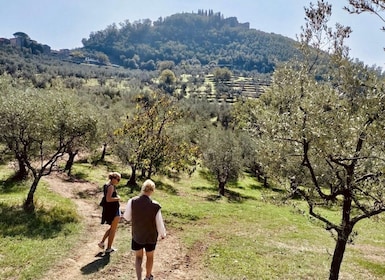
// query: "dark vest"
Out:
[144,211]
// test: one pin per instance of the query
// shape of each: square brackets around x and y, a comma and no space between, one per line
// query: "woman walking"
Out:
[111,211]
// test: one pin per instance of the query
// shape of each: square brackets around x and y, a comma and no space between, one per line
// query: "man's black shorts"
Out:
[148,247]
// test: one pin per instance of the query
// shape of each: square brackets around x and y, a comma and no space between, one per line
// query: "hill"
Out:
[204,38]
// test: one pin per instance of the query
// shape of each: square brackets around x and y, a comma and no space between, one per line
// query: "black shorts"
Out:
[148,247]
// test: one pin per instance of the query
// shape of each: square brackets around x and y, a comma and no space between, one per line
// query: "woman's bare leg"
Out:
[112,231]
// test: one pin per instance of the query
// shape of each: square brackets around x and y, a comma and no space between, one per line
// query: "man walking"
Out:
[147,227]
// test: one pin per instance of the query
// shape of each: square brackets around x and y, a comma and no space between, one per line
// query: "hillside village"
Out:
[22,40]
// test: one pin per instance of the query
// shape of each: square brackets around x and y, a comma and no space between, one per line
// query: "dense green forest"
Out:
[206,38]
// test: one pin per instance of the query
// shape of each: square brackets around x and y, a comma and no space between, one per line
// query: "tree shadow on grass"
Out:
[11,185]
[77,177]
[260,187]
[96,265]
[42,223]
[166,188]
[234,196]
[230,195]
[183,216]
[205,188]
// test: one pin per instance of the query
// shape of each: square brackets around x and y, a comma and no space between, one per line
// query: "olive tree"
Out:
[148,139]
[326,132]
[376,7]
[39,127]
[167,80]
[222,156]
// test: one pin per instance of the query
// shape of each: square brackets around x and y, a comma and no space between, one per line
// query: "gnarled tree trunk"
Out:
[22,172]
[70,161]
[338,255]
[221,188]
[29,204]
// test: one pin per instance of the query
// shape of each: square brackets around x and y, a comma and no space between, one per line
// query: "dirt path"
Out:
[87,261]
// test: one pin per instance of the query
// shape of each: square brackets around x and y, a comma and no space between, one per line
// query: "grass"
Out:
[30,243]
[254,233]
[251,233]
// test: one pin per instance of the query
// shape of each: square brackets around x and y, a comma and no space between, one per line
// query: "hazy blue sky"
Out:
[64,23]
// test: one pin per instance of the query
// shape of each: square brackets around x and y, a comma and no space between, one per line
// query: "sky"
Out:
[62,24]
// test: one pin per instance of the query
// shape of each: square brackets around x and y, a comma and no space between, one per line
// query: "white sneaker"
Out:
[110,250]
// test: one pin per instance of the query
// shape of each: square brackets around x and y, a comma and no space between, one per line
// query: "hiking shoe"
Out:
[101,245]
[149,278]
[110,250]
